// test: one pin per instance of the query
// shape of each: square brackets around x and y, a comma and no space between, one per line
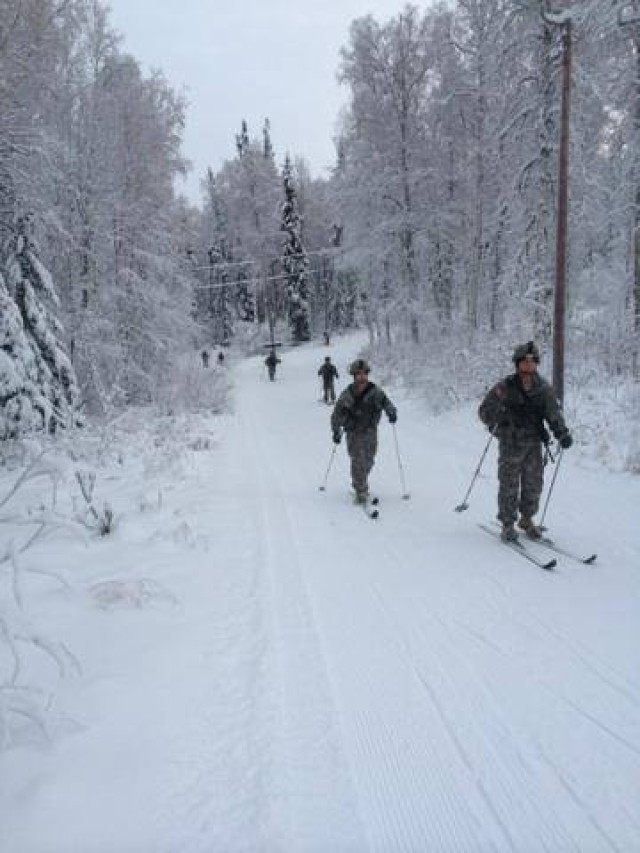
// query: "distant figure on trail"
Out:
[329,374]
[326,339]
[272,361]
[515,409]
[204,355]
[220,358]
[358,413]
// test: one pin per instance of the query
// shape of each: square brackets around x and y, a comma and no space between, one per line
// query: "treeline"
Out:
[89,150]
[448,176]
[437,221]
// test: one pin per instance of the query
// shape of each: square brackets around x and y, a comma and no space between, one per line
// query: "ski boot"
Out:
[532,530]
[508,533]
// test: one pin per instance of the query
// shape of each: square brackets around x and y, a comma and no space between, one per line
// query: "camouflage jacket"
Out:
[360,413]
[518,415]
[329,372]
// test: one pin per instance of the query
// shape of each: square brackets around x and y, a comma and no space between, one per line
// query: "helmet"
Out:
[359,364]
[327,358]
[523,350]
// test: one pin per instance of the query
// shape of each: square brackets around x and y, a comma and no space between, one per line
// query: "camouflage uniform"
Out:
[359,416]
[518,417]
[271,361]
[328,372]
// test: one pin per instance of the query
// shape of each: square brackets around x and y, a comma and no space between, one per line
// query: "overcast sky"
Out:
[249,59]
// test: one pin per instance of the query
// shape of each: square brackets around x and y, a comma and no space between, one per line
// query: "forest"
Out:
[435,230]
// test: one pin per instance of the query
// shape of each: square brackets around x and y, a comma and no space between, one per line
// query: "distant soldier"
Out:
[204,355]
[358,413]
[329,373]
[272,361]
[516,409]
[221,359]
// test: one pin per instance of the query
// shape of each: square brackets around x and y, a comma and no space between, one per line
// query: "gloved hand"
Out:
[337,436]
[393,417]
[565,441]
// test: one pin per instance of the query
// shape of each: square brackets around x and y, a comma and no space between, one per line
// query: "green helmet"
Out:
[523,350]
[359,364]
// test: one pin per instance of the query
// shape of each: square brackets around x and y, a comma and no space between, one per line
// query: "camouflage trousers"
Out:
[329,392]
[520,477]
[362,448]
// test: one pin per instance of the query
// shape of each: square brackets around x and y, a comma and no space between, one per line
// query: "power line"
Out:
[328,251]
[241,281]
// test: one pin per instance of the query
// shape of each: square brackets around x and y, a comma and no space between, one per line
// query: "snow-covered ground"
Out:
[263,668]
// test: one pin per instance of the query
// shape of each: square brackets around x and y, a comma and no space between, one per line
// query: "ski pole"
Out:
[464,505]
[405,493]
[323,486]
[551,485]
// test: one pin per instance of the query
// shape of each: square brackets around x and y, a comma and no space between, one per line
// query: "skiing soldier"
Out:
[358,413]
[329,373]
[272,361]
[515,410]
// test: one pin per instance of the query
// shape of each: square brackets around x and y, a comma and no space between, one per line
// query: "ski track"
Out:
[507,742]
[452,766]
[310,766]
[343,685]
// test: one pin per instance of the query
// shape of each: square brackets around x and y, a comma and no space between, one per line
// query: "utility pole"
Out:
[629,16]
[560,299]
[563,20]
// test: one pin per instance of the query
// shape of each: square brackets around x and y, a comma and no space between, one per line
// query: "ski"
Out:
[370,513]
[370,507]
[518,547]
[560,549]
[566,552]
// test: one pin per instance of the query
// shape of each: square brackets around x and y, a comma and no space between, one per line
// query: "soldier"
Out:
[329,373]
[204,355]
[358,413]
[515,409]
[272,361]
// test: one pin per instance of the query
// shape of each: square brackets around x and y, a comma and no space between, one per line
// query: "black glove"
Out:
[393,417]
[337,436]
[565,441]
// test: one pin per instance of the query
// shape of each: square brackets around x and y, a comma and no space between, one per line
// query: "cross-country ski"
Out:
[551,545]
[518,547]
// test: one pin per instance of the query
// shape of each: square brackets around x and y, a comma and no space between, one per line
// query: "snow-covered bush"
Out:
[25,698]
[193,388]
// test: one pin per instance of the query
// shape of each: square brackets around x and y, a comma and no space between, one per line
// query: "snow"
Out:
[264,668]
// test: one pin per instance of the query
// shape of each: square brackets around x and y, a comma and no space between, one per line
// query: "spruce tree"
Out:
[294,261]
[23,406]
[35,296]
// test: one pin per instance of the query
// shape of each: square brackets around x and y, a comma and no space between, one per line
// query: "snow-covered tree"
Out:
[388,68]
[294,261]
[248,188]
[34,293]
[24,407]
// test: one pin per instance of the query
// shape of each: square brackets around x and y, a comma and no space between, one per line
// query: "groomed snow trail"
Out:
[476,711]
[325,682]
